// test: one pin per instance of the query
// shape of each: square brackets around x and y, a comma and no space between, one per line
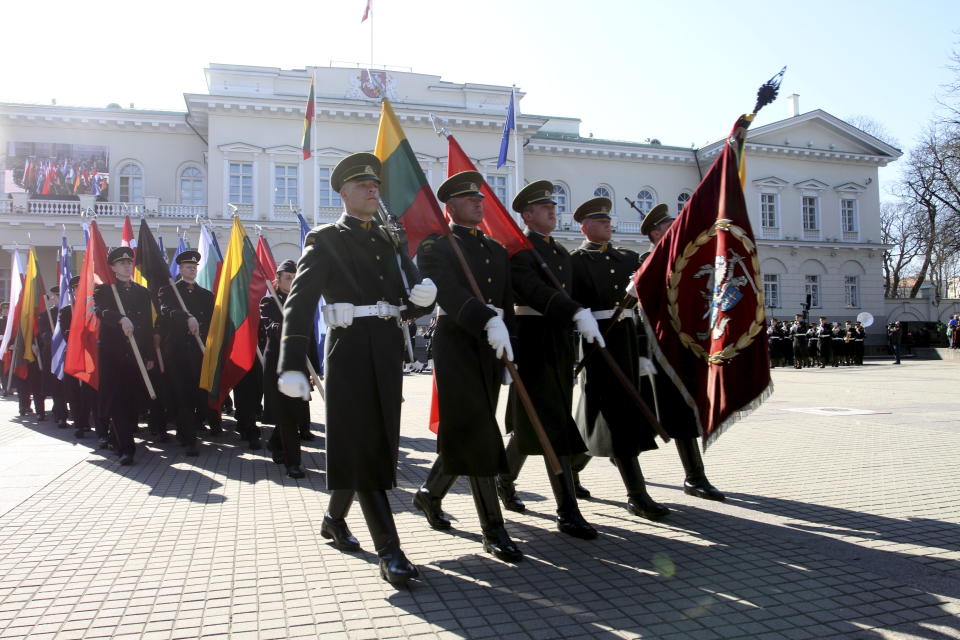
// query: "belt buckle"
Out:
[383,310]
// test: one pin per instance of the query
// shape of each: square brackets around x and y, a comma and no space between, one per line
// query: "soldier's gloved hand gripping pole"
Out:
[310,369]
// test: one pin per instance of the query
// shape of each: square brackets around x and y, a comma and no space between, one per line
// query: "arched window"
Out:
[682,200]
[602,192]
[561,195]
[192,190]
[645,200]
[131,183]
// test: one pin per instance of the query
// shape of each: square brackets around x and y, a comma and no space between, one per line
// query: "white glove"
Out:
[342,313]
[632,287]
[499,337]
[193,326]
[126,325]
[424,294]
[646,367]
[507,378]
[294,384]
[587,326]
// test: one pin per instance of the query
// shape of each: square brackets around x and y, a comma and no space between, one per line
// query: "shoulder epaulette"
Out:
[314,233]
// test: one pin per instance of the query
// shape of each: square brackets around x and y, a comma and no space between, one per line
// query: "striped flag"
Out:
[402,184]
[211,260]
[181,247]
[308,123]
[232,341]
[16,289]
[58,344]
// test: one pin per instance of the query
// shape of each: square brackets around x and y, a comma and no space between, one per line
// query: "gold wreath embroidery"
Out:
[728,352]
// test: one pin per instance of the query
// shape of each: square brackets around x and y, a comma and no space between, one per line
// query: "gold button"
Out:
[607,257]
[487,261]
[372,239]
[616,286]
[489,279]
[490,300]
[612,271]
[381,277]
[561,267]
[378,257]
[564,286]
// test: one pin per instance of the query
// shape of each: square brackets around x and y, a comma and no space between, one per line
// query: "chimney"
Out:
[793,100]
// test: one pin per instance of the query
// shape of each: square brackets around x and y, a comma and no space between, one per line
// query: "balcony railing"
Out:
[770,233]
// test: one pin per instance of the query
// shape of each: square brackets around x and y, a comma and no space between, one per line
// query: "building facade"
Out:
[812,188]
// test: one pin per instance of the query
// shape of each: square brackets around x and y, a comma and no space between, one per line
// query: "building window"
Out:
[811,287]
[560,195]
[328,197]
[848,215]
[682,200]
[131,183]
[285,185]
[498,184]
[241,182]
[771,289]
[851,290]
[645,201]
[191,187]
[768,210]
[5,285]
[811,218]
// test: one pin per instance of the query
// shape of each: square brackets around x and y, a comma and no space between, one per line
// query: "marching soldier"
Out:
[774,338]
[859,333]
[353,265]
[52,385]
[470,336]
[290,415]
[121,389]
[182,353]
[837,346]
[546,316]
[684,432]
[798,335]
[824,342]
[611,424]
[813,346]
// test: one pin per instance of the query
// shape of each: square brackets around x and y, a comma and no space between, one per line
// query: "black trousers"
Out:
[31,388]
[247,396]
[293,416]
[82,399]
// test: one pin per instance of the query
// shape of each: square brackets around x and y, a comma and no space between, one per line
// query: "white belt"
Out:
[522,310]
[441,312]
[606,314]
[379,310]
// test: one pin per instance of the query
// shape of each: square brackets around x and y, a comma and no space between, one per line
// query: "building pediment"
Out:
[285,149]
[811,184]
[850,187]
[823,132]
[240,147]
[770,182]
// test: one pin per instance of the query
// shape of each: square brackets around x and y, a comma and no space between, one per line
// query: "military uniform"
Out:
[610,422]
[122,393]
[181,353]
[825,343]
[545,360]
[798,337]
[353,261]
[859,333]
[468,371]
[290,415]
[81,397]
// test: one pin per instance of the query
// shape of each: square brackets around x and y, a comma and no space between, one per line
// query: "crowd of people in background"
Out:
[801,344]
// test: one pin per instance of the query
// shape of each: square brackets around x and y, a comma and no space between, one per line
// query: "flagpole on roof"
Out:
[516,143]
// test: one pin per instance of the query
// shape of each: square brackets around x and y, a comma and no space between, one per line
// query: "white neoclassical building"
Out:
[811,189]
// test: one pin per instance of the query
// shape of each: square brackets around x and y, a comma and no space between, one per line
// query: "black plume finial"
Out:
[768,91]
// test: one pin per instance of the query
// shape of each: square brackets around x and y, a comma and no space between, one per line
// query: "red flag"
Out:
[497,221]
[127,239]
[701,290]
[82,352]
[366,12]
[268,265]
[434,406]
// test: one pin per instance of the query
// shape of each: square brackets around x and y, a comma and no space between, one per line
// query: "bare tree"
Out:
[874,127]
[898,228]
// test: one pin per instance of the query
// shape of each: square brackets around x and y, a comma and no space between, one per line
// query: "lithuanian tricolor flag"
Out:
[403,186]
[305,144]
[232,341]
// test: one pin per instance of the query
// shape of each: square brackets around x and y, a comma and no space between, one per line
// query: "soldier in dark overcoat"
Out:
[122,392]
[611,424]
[352,263]
[546,316]
[290,415]
[182,353]
[470,336]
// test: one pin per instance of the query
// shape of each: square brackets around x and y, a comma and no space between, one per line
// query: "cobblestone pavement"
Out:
[835,527]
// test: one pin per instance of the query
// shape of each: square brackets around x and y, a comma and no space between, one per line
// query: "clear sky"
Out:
[678,71]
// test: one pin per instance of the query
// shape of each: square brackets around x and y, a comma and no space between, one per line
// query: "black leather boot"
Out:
[639,502]
[506,482]
[334,525]
[569,519]
[696,483]
[428,498]
[578,463]
[496,540]
[394,566]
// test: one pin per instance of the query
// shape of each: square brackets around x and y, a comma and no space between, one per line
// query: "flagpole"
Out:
[371,34]
[173,285]
[133,345]
[516,142]
[313,153]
